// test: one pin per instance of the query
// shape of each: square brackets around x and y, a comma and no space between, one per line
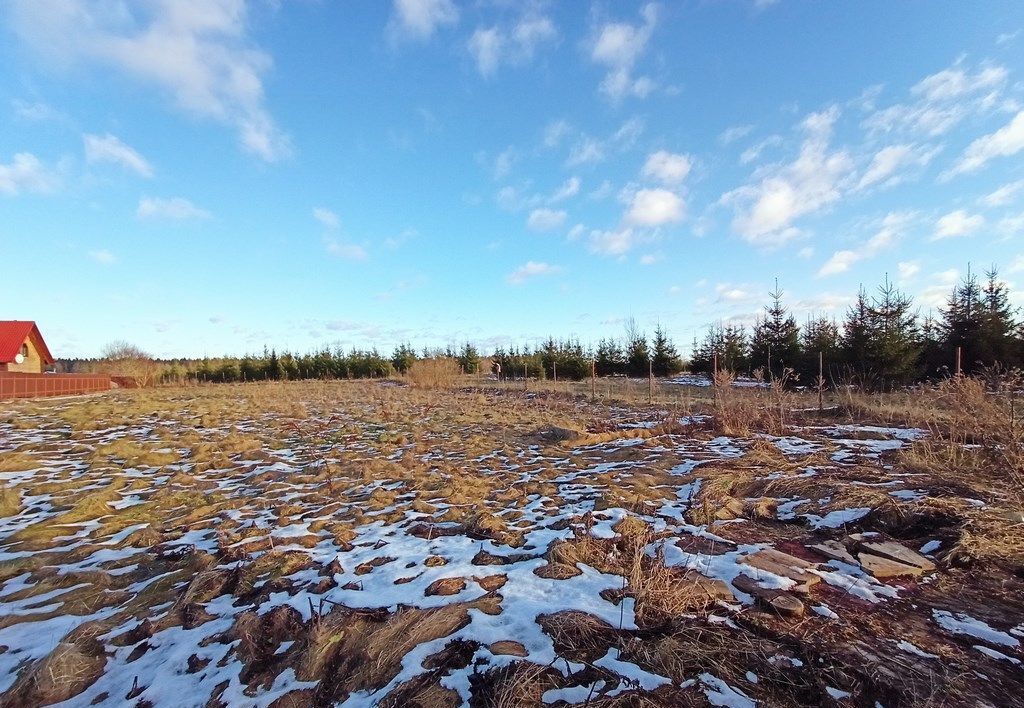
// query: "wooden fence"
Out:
[14,385]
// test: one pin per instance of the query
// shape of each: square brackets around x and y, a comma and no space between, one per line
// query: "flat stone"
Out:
[773,599]
[710,588]
[835,551]
[885,568]
[784,565]
[897,552]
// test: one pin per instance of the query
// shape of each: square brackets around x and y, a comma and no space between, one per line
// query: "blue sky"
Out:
[209,176]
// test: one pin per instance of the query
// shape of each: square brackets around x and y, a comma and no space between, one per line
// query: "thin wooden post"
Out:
[525,385]
[554,370]
[593,379]
[714,376]
[821,378]
[958,353]
[650,381]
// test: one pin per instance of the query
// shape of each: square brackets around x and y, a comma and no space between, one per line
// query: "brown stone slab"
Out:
[834,550]
[885,568]
[784,565]
[897,552]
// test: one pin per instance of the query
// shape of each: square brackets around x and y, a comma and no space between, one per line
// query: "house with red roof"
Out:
[22,349]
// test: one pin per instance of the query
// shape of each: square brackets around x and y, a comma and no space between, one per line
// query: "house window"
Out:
[24,350]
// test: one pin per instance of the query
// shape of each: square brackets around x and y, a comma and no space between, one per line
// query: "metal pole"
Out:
[958,353]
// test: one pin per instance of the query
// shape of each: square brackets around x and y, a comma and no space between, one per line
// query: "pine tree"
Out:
[403,358]
[996,343]
[638,356]
[933,362]
[775,343]
[894,347]
[856,339]
[819,337]
[962,322]
[468,359]
[734,354]
[609,360]
[665,359]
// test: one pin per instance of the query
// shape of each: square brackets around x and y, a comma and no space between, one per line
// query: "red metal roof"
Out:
[13,334]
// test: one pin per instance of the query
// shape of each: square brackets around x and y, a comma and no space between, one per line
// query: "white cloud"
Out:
[174,208]
[36,112]
[612,243]
[1005,195]
[655,207]
[1011,225]
[108,148]
[1008,140]
[26,173]
[555,132]
[734,133]
[103,257]
[587,150]
[419,19]
[754,152]
[666,167]
[570,188]
[326,217]
[531,269]
[957,223]
[504,161]
[200,53]
[493,46]
[648,259]
[767,207]
[892,227]
[908,269]
[887,163]
[941,101]
[618,46]
[545,219]
[347,251]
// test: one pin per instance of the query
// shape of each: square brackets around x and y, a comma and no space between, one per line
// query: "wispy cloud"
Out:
[26,173]
[529,270]
[618,46]
[177,208]
[109,148]
[200,53]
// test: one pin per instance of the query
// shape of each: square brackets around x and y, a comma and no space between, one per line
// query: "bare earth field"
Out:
[347,543]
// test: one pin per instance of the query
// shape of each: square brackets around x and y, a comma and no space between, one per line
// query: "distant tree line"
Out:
[881,342]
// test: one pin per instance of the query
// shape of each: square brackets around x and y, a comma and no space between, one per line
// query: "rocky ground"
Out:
[371,543]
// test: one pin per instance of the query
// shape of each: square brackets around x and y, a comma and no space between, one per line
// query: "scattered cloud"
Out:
[103,257]
[555,132]
[734,133]
[907,270]
[666,167]
[26,173]
[420,19]
[940,101]
[199,53]
[1011,225]
[109,148]
[326,217]
[753,152]
[1005,195]
[767,207]
[531,269]
[35,111]
[176,208]
[655,207]
[957,223]
[892,227]
[344,250]
[545,219]
[570,188]
[611,243]
[888,163]
[504,161]
[493,46]
[618,46]
[1008,140]
[586,151]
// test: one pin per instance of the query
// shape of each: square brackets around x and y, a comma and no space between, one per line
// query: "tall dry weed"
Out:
[434,373]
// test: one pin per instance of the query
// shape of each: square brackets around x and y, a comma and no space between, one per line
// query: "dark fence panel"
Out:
[14,385]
